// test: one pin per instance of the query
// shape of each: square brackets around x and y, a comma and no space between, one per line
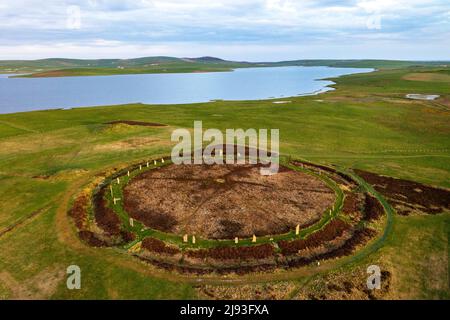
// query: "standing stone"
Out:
[297,230]
[132,222]
[193,239]
[236,240]
[254,238]
[185,238]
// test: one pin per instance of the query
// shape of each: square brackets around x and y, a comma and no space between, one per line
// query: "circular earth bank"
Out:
[226,201]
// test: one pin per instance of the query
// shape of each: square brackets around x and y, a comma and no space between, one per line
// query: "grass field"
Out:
[367,123]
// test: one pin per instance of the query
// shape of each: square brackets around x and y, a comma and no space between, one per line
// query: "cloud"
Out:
[160,24]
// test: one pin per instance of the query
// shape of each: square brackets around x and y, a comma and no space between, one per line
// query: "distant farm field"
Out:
[426,76]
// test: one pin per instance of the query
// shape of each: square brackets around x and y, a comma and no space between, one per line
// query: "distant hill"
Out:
[208,60]
[162,64]
[71,63]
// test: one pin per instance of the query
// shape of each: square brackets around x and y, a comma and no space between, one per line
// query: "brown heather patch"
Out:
[158,246]
[262,251]
[373,210]
[409,196]
[105,217]
[331,231]
[78,211]
[92,239]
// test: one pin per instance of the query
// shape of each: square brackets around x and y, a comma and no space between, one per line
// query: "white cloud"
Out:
[160,26]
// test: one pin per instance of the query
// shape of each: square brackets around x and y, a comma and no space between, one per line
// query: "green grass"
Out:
[366,123]
[417,250]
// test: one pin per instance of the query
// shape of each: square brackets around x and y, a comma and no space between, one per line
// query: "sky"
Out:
[250,30]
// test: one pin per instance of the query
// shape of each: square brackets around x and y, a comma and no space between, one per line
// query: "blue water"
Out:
[22,94]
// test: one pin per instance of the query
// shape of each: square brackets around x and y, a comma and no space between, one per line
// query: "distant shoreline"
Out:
[49,68]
